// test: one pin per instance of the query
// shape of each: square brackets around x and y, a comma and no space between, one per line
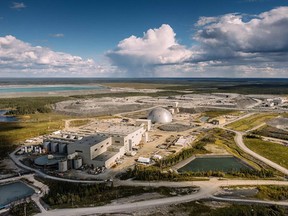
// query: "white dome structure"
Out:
[160,115]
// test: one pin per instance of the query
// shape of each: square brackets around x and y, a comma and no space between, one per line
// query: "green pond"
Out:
[205,164]
[13,191]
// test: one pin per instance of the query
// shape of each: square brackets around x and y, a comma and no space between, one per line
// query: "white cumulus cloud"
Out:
[139,55]
[18,58]
[227,45]
[261,37]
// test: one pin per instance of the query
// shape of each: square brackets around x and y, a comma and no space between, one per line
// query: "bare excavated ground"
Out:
[100,106]
[280,123]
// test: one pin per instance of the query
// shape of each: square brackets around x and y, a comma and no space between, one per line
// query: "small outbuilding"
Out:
[144,160]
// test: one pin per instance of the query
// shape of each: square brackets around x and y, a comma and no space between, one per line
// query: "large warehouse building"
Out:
[104,148]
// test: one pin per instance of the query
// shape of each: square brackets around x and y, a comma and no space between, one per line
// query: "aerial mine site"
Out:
[144,108]
[209,146]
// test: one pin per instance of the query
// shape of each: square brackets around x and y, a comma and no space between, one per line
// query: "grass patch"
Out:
[79,122]
[272,151]
[13,133]
[29,105]
[201,208]
[217,113]
[272,192]
[225,139]
[272,132]
[251,121]
[265,192]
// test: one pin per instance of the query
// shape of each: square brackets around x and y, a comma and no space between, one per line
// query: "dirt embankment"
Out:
[243,102]
[96,107]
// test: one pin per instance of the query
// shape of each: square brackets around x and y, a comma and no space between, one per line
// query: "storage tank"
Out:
[160,115]
[62,148]
[77,162]
[62,165]
[47,146]
[54,147]
[50,157]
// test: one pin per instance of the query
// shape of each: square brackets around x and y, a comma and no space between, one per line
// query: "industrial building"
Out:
[103,149]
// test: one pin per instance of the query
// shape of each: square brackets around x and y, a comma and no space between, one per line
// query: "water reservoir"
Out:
[14,191]
[214,163]
[46,161]
[4,118]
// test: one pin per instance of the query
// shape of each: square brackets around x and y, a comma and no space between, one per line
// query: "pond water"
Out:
[223,163]
[4,118]
[14,191]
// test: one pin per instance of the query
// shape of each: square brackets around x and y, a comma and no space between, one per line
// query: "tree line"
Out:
[66,194]
[25,106]
[198,148]
[152,173]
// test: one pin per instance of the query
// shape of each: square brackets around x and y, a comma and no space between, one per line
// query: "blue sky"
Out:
[93,30]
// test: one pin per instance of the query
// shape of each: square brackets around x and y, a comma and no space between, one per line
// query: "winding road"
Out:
[240,144]
[207,189]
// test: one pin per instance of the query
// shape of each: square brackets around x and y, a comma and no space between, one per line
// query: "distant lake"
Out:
[14,191]
[15,89]
[4,118]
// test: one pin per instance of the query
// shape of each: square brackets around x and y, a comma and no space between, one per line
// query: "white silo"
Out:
[77,162]
[62,165]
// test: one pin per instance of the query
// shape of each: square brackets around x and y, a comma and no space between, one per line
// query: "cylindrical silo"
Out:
[77,162]
[62,148]
[54,147]
[62,165]
[47,146]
